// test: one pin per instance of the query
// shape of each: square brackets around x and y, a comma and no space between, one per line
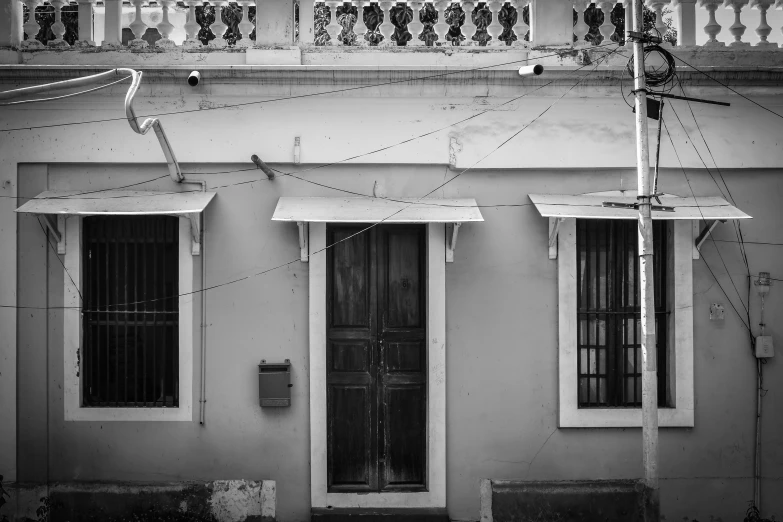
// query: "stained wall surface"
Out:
[501,298]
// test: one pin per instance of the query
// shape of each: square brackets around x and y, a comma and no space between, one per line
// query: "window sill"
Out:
[623,418]
[130,414]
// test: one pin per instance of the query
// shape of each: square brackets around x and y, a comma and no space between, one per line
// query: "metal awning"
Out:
[116,202]
[59,204]
[621,207]
[376,210]
[304,210]
[609,206]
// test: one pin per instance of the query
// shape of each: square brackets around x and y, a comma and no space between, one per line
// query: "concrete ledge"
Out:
[584,501]
[379,515]
[216,501]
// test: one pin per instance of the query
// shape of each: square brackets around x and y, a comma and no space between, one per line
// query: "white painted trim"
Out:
[72,335]
[570,415]
[435,496]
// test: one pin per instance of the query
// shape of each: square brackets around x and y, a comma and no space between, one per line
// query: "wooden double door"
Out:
[376,358]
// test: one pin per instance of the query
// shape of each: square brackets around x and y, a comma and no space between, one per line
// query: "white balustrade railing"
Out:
[177,28]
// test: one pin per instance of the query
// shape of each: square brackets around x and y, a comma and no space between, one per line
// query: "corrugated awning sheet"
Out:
[117,202]
[593,207]
[375,210]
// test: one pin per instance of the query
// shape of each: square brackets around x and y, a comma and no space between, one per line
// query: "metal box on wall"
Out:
[274,383]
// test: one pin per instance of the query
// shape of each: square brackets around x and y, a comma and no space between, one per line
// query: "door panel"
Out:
[376,358]
[405,422]
[403,374]
[351,273]
[403,275]
[351,443]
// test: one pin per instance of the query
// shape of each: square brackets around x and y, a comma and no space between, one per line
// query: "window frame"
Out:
[679,342]
[72,336]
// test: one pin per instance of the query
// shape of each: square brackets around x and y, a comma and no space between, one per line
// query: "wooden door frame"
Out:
[435,496]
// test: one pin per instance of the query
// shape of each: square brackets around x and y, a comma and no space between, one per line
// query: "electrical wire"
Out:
[309,95]
[658,77]
[704,260]
[360,231]
[729,88]
[494,108]
[723,262]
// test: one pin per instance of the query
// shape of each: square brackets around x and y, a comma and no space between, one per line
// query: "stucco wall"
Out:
[500,291]
[501,348]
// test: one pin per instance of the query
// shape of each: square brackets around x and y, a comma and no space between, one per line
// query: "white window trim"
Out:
[435,496]
[72,333]
[681,415]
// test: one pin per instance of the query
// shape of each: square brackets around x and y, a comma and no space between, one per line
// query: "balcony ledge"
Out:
[748,58]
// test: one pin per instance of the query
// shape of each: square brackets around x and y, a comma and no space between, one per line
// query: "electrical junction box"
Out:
[274,383]
[764,347]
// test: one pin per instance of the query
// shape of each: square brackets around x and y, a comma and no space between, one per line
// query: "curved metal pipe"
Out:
[56,86]
[154,123]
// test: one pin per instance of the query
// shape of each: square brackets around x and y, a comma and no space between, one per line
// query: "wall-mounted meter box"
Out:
[274,383]
[764,347]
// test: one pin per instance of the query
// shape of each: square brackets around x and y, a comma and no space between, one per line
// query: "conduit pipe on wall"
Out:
[171,160]
[202,399]
[130,114]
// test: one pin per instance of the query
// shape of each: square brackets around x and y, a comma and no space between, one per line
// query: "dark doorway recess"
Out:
[376,357]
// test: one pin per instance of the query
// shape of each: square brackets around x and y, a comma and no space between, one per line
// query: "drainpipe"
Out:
[202,399]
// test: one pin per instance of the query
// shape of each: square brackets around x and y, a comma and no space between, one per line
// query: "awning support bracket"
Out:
[554,227]
[703,234]
[57,227]
[304,247]
[195,233]
[452,241]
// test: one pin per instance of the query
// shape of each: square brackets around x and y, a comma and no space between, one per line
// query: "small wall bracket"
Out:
[56,226]
[195,233]
[554,227]
[304,247]
[452,232]
[701,235]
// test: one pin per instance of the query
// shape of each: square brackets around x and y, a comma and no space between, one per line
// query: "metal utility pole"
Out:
[649,358]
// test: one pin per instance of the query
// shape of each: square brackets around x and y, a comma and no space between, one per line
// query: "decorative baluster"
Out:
[779,5]
[112,28]
[660,25]
[495,28]
[138,26]
[164,26]
[521,28]
[387,27]
[581,28]
[31,28]
[607,28]
[58,27]
[359,28]
[218,28]
[763,29]
[737,29]
[86,39]
[191,26]
[415,27]
[442,27]
[246,26]
[685,13]
[468,27]
[713,27]
[334,28]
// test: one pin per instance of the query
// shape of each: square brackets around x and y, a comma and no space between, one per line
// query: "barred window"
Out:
[609,313]
[130,322]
